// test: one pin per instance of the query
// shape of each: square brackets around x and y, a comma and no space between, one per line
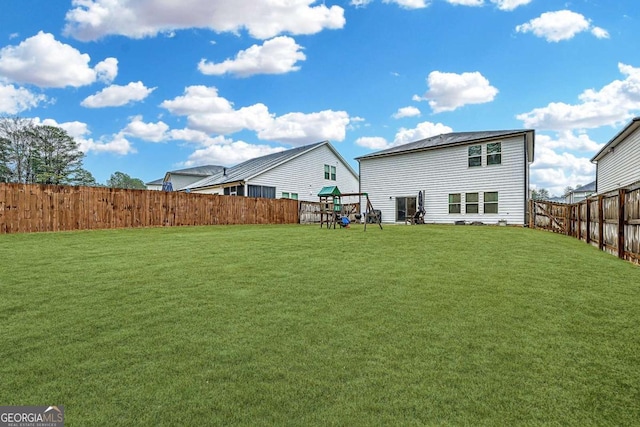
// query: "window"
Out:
[293,196]
[262,191]
[236,190]
[471,203]
[494,153]
[285,195]
[330,172]
[475,156]
[405,207]
[454,203]
[491,202]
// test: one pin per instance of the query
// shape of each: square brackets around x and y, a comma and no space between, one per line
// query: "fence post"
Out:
[621,222]
[600,223]
[588,221]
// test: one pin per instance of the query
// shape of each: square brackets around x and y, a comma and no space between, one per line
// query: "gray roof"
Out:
[206,170]
[586,188]
[454,138]
[621,136]
[253,167]
[158,181]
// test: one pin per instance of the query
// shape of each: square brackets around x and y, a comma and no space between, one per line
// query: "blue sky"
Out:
[147,86]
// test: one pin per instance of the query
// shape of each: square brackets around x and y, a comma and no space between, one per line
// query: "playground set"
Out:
[333,210]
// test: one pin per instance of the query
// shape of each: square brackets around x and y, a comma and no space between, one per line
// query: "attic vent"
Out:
[224,171]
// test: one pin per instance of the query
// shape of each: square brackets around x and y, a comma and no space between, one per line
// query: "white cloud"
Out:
[116,96]
[276,56]
[360,3]
[615,103]
[403,136]
[208,112]
[421,131]
[449,91]
[79,131]
[466,2]
[14,100]
[154,132]
[510,4]
[406,112]
[228,153]
[117,144]
[555,170]
[560,25]
[107,70]
[410,4]
[300,128]
[600,33]
[93,19]
[373,142]
[43,61]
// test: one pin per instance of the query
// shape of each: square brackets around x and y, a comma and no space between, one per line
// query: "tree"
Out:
[122,180]
[39,154]
[567,190]
[56,158]
[541,194]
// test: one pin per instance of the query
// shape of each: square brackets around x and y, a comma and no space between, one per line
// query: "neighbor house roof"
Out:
[253,167]
[454,138]
[158,181]
[205,170]
[586,188]
[624,133]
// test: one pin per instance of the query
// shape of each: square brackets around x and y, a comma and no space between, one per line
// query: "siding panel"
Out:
[620,167]
[444,170]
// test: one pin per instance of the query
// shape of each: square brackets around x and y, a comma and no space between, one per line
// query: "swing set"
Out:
[333,211]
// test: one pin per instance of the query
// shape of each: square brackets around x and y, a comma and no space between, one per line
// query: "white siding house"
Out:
[298,173]
[465,176]
[618,162]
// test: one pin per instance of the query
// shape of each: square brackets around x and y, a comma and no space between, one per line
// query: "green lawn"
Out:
[294,325]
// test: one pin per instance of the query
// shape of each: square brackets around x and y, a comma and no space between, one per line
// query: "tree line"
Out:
[32,153]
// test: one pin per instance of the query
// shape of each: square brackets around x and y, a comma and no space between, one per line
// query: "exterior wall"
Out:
[180,181]
[445,170]
[305,175]
[620,167]
[154,187]
[217,190]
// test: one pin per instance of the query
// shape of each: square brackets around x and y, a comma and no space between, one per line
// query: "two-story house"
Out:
[464,176]
[618,162]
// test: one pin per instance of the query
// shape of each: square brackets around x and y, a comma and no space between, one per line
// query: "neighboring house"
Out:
[155,185]
[298,173]
[618,162]
[179,179]
[580,193]
[465,176]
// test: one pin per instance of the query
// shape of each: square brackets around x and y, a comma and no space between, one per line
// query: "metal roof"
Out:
[206,170]
[158,181]
[586,188]
[621,136]
[454,138]
[250,168]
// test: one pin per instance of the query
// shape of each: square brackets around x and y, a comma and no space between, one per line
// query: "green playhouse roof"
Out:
[329,191]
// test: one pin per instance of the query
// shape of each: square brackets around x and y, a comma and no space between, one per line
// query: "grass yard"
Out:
[294,325]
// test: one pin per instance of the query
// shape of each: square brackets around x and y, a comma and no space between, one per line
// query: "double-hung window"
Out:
[494,153]
[471,203]
[330,172]
[454,203]
[491,202]
[475,156]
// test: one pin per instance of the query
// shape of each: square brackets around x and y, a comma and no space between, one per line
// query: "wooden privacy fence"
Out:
[610,221]
[31,208]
